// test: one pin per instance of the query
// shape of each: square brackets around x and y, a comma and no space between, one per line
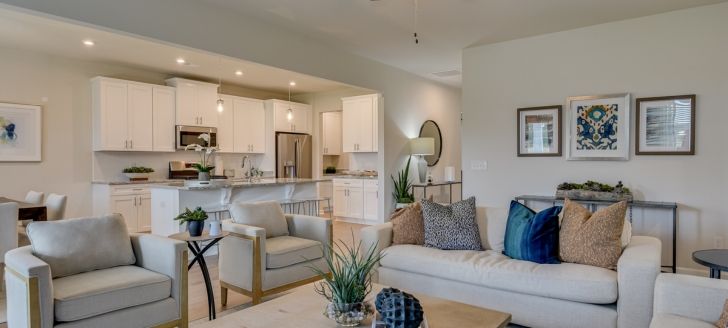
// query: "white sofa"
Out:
[537,295]
[683,301]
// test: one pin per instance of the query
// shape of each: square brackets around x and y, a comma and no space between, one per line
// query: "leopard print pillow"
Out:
[451,227]
[407,226]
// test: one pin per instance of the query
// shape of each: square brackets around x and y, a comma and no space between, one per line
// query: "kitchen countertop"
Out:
[150,181]
[350,176]
[237,183]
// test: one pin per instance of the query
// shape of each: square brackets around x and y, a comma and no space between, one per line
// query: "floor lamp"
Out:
[422,147]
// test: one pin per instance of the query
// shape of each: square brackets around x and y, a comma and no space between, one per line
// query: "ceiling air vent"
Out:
[449,73]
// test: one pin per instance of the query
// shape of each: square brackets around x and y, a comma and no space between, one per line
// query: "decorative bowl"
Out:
[137,176]
[349,315]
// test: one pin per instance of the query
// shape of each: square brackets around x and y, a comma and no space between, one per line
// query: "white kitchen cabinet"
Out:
[226,126]
[249,125]
[163,112]
[331,133]
[371,200]
[196,102]
[360,128]
[124,115]
[349,198]
[140,117]
[300,121]
[133,202]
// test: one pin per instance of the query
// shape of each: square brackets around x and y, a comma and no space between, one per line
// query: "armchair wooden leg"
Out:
[257,298]
[223,296]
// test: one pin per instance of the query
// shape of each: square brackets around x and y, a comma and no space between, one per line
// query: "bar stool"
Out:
[293,206]
[313,206]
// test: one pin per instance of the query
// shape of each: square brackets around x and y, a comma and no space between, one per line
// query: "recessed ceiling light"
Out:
[239,73]
[181,61]
[88,43]
[292,83]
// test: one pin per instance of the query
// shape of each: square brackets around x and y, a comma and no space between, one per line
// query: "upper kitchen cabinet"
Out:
[331,133]
[126,115]
[196,102]
[249,125]
[163,112]
[360,128]
[299,121]
[241,126]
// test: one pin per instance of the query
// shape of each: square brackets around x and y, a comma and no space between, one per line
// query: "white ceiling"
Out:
[382,30]
[24,31]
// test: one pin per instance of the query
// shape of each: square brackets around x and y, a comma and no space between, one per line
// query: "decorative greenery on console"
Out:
[138,169]
[594,186]
[402,185]
[592,190]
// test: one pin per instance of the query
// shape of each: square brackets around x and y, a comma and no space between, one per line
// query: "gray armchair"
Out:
[149,291]
[257,266]
[683,301]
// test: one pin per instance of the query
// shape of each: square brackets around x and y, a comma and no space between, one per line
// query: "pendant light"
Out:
[220,102]
[289,115]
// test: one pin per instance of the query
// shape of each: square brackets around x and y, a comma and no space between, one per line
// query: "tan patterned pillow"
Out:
[592,239]
[408,227]
[723,321]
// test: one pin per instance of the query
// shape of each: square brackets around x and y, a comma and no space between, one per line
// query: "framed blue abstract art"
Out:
[599,127]
[20,133]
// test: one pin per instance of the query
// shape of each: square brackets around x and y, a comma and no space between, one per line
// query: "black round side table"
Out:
[199,257]
[715,259]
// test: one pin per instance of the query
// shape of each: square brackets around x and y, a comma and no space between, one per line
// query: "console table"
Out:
[593,204]
[424,187]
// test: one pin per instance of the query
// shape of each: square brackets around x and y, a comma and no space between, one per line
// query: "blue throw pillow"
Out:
[532,236]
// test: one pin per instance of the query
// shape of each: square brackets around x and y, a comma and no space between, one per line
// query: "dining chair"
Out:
[55,207]
[34,197]
[8,234]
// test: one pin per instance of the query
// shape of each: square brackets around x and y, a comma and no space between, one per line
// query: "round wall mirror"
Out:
[430,129]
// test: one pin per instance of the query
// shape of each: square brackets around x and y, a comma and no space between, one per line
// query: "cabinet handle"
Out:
[134,201]
[126,144]
[131,144]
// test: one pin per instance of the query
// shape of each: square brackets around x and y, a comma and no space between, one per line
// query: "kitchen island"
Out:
[168,200]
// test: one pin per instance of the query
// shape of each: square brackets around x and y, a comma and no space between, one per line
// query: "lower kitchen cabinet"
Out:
[356,199]
[133,202]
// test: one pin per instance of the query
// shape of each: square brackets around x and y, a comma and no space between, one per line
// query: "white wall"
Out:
[408,99]
[675,53]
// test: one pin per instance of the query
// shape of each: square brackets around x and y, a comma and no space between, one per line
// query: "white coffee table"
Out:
[303,308]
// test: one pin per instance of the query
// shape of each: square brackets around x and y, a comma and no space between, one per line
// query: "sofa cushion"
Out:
[567,281]
[592,239]
[408,226]
[288,250]
[675,321]
[532,236]
[267,215]
[451,226]
[80,245]
[97,292]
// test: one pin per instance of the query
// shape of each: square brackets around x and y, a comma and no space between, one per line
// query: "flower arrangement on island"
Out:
[206,153]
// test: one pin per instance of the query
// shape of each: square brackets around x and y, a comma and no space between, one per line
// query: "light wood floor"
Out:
[198,294]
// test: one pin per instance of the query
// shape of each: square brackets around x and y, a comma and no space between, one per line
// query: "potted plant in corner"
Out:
[402,186]
[347,283]
[195,220]
[206,152]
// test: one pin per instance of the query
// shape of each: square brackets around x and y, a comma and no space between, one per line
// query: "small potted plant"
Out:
[195,220]
[206,152]
[137,173]
[347,283]
[402,187]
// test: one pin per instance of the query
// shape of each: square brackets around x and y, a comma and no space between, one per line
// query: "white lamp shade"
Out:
[422,146]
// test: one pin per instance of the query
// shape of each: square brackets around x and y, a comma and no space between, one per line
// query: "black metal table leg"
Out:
[199,257]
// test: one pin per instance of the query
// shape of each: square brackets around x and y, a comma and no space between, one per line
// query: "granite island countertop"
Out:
[236,183]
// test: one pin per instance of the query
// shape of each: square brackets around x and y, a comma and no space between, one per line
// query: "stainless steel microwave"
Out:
[187,135]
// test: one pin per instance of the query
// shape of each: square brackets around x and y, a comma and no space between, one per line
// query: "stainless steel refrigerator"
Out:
[293,155]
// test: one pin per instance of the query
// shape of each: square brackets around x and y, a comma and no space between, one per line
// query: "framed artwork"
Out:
[539,131]
[666,125]
[599,127]
[20,133]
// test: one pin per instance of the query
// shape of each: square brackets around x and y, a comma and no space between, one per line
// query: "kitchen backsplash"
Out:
[107,166]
